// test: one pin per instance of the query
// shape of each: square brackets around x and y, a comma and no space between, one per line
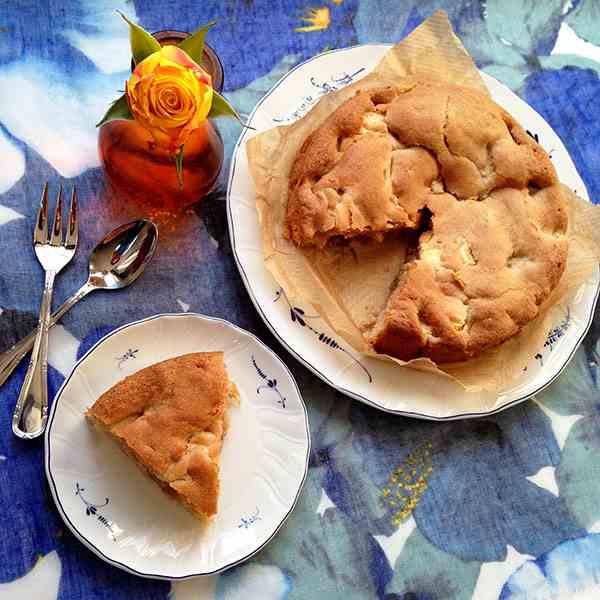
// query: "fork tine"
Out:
[40,233]
[72,231]
[56,237]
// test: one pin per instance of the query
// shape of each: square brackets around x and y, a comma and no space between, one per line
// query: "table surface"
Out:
[507,506]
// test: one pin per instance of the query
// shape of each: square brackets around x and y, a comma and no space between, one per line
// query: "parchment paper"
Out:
[349,286]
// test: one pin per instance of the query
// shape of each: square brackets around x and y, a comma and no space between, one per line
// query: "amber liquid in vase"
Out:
[141,171]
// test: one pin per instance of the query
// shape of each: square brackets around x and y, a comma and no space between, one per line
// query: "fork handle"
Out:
[10,359]
[31,411]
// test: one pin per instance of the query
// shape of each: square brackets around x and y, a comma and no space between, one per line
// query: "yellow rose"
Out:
[170,95]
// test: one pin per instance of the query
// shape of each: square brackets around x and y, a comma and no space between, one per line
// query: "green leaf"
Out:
[179,166]
[221,108]
[584,20]
[560,61]
[328,542]
[142,43]
[577,472]
[119,109]
[424,570]
[523,24]
[513,77]
[575,392]
[194,45]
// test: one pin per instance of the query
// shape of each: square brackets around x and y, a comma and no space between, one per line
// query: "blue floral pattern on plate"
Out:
[246,522]
[297,315]
[270,384]
[93,509]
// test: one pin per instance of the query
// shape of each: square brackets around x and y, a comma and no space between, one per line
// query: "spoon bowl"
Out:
[121,257]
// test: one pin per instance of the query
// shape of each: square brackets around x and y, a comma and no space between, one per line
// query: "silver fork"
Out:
[31,412]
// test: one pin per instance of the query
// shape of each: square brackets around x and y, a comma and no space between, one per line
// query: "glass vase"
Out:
[140,171]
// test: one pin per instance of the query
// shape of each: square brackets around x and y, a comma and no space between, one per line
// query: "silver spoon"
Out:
[116,262]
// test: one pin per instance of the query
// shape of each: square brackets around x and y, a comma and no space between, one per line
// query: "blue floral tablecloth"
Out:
[504,507]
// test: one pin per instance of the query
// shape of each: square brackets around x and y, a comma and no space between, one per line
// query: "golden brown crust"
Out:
[171,418]
[497,245]
[482,271]
[340,183]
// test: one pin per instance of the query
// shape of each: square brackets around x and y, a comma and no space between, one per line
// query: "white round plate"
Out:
[122,515]
[384,385]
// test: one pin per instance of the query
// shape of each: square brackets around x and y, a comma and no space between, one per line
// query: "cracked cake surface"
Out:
[449,163]
[171,418]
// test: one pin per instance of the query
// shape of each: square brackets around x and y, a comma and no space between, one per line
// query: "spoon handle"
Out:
[10,359]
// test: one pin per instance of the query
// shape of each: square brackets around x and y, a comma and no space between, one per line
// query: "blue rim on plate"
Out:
[312,367]
[52,483]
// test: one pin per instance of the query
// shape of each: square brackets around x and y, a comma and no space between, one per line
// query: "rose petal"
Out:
[179,56]
[170,95]
[147,65]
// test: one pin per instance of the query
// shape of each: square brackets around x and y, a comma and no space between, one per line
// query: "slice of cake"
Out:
[171,418]
[481,273]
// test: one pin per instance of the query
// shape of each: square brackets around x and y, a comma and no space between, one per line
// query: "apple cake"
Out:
[450,164]
[171,418]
